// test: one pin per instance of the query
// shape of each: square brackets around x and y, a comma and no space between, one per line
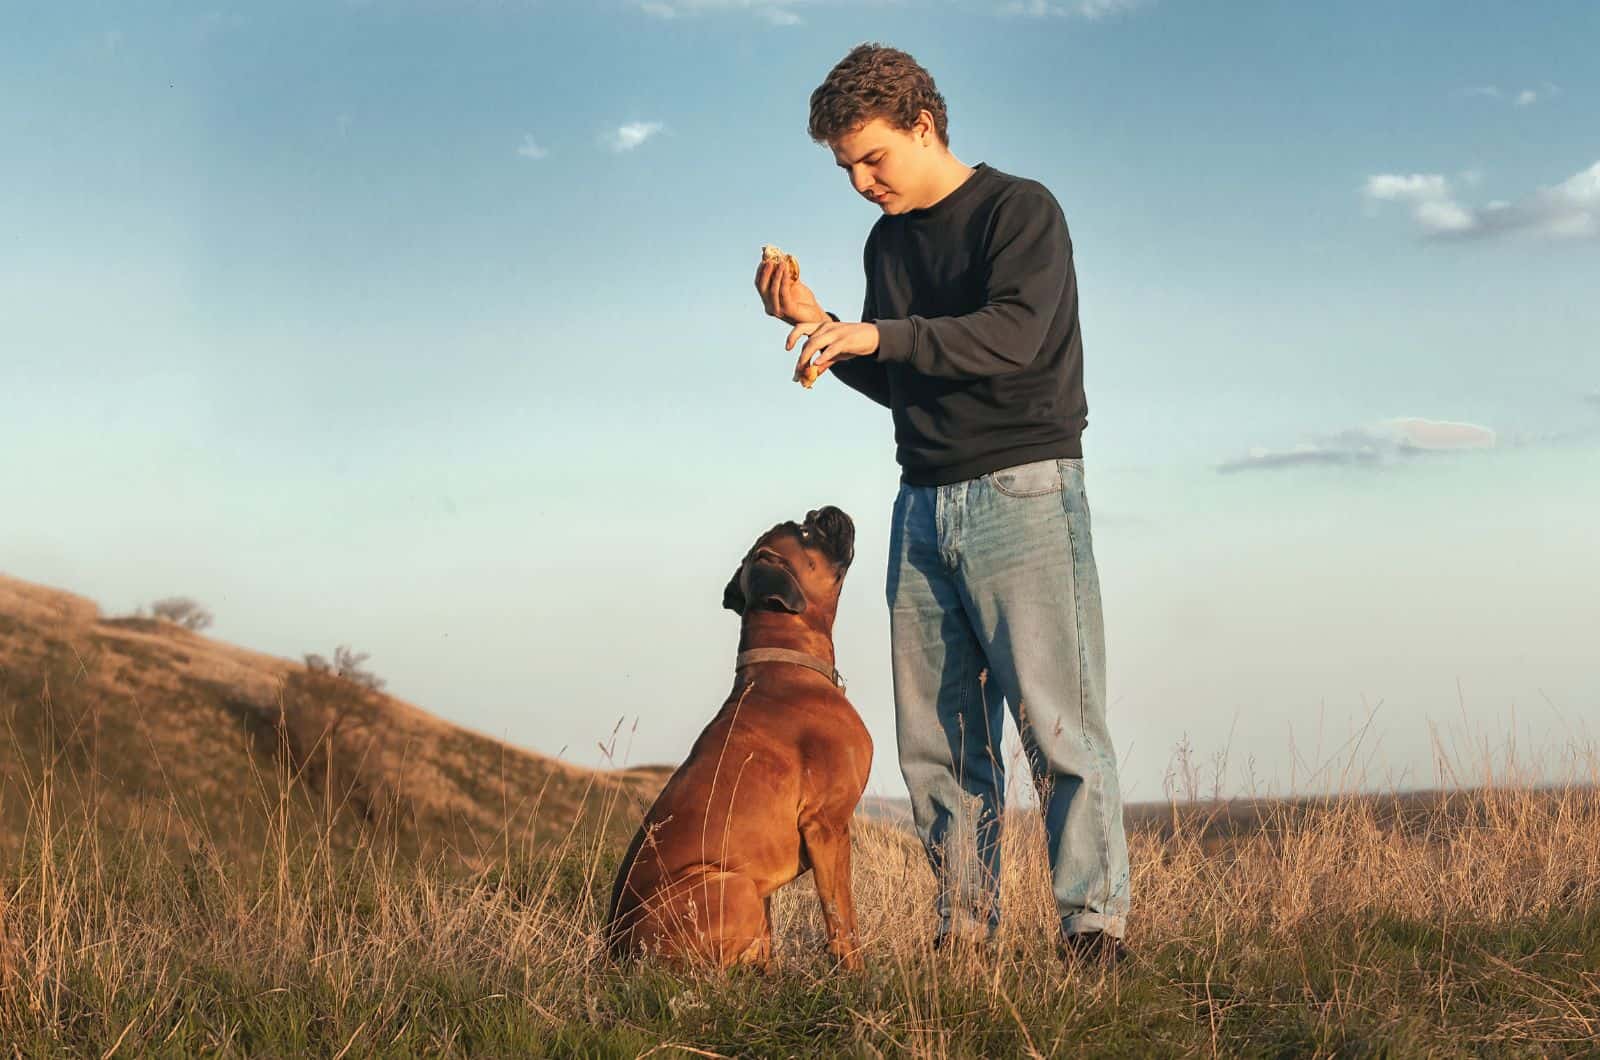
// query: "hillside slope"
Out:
[146,724]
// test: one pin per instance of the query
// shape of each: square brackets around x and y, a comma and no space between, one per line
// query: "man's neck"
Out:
[951,174]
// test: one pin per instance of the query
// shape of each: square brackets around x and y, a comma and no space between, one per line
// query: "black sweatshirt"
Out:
[979,356]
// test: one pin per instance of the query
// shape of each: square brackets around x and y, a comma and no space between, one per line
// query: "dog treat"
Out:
[807,374]
[772,253]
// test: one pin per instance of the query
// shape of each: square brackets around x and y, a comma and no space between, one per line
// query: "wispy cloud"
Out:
[787,12]
[777,12]
[1569,210]
[1521,97]
[530,149]
[1377,445]
[629,136]
[1087,9]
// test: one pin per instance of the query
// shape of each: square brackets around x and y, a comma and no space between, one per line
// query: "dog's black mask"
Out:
[770,583]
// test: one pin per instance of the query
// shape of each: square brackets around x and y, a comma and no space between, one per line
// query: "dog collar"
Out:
[799,658]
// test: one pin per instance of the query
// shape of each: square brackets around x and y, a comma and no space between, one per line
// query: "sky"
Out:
[428,327]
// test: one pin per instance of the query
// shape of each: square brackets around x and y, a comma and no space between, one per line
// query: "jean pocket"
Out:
[1038,479]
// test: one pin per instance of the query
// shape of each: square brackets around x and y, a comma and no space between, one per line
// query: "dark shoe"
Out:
[1092,948]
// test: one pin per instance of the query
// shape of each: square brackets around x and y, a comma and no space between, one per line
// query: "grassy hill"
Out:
[145,725]
[207,851]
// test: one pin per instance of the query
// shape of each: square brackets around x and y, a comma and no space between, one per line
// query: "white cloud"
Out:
[1569,210]
[1378,445]
[777,12]
[1523,97]
[1088,9]
[786,13]
[629,136]
[530,149]
[1416,186]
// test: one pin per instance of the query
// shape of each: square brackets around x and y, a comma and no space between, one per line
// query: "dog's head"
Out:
[795,567]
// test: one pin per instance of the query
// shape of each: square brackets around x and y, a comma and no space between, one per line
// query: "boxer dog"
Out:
[769,788]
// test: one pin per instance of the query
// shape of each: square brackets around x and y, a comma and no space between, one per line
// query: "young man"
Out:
[969,336]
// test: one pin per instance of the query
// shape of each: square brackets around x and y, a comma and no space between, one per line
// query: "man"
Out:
[969,335]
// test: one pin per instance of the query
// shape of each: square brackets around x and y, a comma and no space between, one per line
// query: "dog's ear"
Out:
[770,585]
[773,586]
[733,596]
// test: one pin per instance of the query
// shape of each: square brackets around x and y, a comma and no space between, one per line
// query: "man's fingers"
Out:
[765,277]
[801,331]
[814,347]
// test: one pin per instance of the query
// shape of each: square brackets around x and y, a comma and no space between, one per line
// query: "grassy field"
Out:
[281,898]
[1471,932]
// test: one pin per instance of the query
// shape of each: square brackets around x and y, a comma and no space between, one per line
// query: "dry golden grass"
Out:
[278,923]
[1468,930]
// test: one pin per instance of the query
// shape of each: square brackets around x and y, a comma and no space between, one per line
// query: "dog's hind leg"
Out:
[761,953]
[709,916]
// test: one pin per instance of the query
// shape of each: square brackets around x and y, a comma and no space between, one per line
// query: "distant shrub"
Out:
[346,664]
[182,611]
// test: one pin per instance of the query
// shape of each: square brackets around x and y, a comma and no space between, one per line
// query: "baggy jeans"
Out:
[993,596]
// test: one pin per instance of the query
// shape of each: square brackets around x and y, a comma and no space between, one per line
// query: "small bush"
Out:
[346,664]
[182,611]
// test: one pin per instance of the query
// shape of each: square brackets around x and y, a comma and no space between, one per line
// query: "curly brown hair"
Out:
[875,81]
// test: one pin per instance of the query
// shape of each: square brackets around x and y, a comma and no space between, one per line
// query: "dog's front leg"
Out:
[828,850]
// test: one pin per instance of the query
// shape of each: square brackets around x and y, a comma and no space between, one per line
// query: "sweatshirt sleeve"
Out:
[865,374]
[1029,260]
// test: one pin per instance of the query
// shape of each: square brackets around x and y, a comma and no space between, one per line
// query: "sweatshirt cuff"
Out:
[896,340]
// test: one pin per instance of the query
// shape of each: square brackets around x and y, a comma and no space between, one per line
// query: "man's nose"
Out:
[861,180]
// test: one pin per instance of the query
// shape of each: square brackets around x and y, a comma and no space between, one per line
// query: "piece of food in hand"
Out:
[772,253]
[807,374]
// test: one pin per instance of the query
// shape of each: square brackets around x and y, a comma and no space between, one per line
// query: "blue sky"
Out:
[428,327]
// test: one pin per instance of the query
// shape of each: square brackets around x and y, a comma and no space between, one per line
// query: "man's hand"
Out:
[787,299]
[831,341]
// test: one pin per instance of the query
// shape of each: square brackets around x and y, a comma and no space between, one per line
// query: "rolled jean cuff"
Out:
[1080,923]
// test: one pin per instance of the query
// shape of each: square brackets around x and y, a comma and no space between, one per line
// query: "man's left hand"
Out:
[831,341]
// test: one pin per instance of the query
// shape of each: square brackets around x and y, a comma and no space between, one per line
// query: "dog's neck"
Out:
[776,629]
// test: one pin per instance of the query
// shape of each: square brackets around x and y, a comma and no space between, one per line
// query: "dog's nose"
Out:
[837,529]
[830,520]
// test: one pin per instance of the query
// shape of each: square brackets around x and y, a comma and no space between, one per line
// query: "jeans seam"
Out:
[1083,720]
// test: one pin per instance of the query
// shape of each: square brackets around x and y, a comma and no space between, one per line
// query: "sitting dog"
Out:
[769,788]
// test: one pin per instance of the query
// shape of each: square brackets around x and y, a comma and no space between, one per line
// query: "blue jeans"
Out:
[993,595]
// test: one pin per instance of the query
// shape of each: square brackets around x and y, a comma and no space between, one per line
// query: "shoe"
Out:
[1092,948]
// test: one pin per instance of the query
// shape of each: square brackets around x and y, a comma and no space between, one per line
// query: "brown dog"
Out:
[769,788]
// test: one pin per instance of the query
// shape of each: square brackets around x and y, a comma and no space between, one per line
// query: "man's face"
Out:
[891,167]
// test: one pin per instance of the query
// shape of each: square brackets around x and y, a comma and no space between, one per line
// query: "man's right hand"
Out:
[787,299]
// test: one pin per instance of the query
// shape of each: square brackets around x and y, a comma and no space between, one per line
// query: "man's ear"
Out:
[773,586]
[733,596]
